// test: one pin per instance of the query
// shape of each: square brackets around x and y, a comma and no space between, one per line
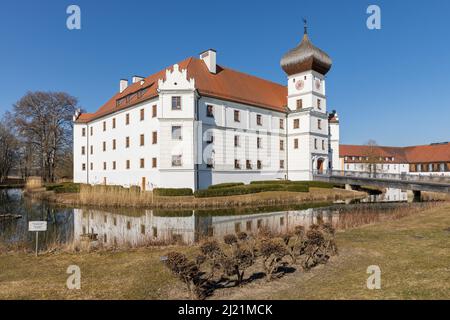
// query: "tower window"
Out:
[176,103]
[295,143]
[319,104]
[299,104]
[319,124]
[296,123]
[237,116]
[259,120]
[210,111]
[315,144]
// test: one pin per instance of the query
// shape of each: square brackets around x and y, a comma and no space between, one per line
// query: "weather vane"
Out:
[305,22]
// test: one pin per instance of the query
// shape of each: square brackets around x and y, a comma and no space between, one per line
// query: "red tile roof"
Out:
[226,84]
[414,154]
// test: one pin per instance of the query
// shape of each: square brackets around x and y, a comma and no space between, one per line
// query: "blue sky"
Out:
[391,85]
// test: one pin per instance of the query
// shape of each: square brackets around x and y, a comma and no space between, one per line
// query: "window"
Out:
[299,104]
[154,111]
[104,125]
[142,114]
[176,103]
[248,225]
[142,140]
[127,142]
[127,165]
[114,144]
[83,150]
[248,164]
[259,164]
[114,165]
[142,163]
[127,119]
[319,104]
[281,123]
[281,164]
[177,160]
[92,131]
[104,165]
[210,163]
[237,164]
[92,166]
[281,145]
[236,141]
[176,133]
[92,149]
[83,132]
[296,123]
[259,143]
[319,124]
[315,144]
[114,123]
[237,116]
[259,120]
[83,167]
[323,144]
[154,137]
[295,143]
[154,162]
[210,111]
[104,146]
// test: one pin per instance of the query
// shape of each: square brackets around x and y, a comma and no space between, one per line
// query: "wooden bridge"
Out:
[415,183]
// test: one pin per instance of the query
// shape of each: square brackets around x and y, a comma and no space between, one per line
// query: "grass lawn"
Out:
[413,254]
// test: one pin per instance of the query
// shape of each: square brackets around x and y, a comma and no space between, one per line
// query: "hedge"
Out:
[172,192]
[66,187]
[249,189]
[271,182]
[226,185]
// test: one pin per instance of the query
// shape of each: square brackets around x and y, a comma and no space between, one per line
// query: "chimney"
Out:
[123,85]
[209,58]
[136,79]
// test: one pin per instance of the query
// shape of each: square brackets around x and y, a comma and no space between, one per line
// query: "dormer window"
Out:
[176,103]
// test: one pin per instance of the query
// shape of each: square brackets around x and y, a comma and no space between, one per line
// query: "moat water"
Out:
[131,228]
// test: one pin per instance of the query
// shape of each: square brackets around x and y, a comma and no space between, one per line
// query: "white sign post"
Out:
[37,226]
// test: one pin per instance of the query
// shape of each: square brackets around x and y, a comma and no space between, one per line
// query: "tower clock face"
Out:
[299,85]
[318,84]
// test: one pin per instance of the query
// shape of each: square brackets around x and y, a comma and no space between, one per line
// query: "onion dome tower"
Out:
[306,57]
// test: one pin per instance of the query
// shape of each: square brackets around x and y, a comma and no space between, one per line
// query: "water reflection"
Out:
[138,227]
[389,195]
[188,227]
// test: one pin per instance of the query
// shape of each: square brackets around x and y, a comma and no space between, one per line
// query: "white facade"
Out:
[207,140]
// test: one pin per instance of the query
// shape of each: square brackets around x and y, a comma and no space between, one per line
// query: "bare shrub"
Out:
[187,271]
[273,252]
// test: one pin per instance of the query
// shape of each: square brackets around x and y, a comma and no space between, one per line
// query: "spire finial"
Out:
[305,22]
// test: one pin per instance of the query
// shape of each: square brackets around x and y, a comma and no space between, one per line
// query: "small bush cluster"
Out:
[221,265]
[172,192]
[311,184]
[66,187]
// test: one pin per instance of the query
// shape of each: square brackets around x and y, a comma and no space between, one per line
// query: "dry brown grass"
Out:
[126,198]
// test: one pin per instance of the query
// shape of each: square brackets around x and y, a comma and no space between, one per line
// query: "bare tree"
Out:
[44,124]
[8,150]
[373,156]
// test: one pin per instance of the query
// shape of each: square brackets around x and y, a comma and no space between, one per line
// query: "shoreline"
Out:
[315,195]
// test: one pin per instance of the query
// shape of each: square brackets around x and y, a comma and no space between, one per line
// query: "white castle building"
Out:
[198,123]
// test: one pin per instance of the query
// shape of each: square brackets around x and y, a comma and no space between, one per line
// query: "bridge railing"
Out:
[382,175]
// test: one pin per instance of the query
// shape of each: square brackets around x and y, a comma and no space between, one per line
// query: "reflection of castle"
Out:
[389,195]
[116,229]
